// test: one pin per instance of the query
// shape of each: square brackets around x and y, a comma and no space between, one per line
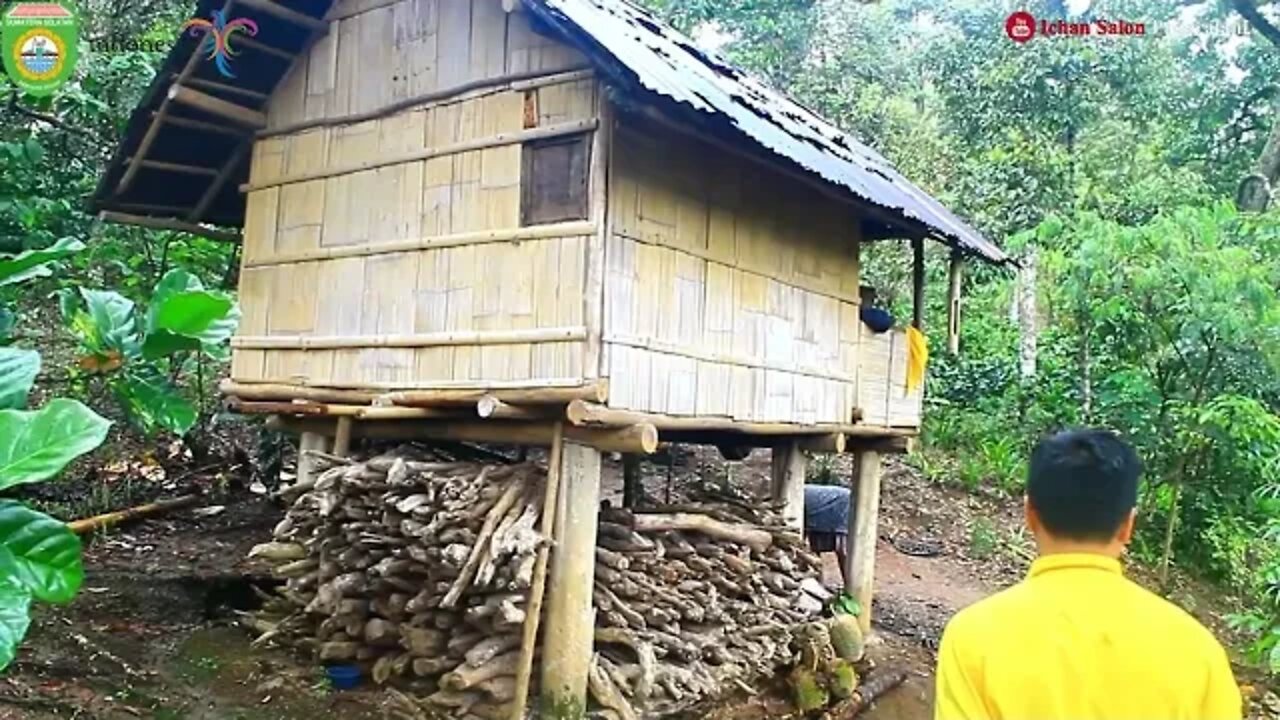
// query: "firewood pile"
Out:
[419,571]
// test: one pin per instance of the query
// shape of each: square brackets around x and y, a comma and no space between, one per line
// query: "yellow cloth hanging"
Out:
[917,358]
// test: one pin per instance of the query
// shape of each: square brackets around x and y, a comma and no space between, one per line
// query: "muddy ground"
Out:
[154,632]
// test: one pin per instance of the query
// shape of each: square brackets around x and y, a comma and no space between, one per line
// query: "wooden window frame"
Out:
[577,199]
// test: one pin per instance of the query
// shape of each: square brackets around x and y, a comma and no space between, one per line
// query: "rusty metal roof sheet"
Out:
[666,63]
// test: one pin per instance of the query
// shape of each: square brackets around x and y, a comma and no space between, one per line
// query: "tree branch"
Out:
[1249,11]
[48,119]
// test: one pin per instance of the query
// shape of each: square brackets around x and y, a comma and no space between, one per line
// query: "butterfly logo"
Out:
[217,37]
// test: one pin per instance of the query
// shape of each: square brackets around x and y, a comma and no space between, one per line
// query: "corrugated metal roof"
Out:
[668,64]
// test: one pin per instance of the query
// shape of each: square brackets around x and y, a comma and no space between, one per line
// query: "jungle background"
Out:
[1132,174]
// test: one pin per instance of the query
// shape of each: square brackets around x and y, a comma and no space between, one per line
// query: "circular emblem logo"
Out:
[1020,26]
[39,54]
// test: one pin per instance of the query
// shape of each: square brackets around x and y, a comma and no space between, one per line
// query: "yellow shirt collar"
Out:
[1063,561]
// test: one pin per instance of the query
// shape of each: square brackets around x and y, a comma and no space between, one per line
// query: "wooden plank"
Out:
[173,167]
[864,515]
[217,106]
[408,340]
[287,14]
[955,272]
[568,638]
[789,467]
[168,224]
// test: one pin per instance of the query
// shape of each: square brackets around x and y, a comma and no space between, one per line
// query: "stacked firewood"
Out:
[419,569]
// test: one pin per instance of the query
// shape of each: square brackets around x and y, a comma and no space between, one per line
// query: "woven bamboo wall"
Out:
[882,381]
[730,290]
[389,252]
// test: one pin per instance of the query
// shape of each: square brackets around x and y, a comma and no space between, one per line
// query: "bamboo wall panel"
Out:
[882,387]
[413,258]
[385,53]
[728,292]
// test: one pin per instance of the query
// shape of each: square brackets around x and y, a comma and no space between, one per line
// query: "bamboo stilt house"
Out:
[481,219]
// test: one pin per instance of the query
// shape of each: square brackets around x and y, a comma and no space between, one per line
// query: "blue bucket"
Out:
[343,677]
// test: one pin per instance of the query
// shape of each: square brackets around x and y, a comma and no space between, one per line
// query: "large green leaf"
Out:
[35,445]
[39,553]
[7,321]
[112,322]
[35,263]
[15,616]
[18,370]
[184,320]
[154,404]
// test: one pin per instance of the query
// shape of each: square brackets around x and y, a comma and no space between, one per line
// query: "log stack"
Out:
[419,571]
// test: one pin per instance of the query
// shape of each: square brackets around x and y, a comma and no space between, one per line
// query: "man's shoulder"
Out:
[987,612]
[1169,617]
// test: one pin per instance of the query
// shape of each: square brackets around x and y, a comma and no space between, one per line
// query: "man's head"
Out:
[1082,490]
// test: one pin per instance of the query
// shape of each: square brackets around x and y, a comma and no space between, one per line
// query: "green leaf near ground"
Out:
[39,553]
[35,263]
[154,404]
[15,609]
[18,370]
[36,445]
[7,322]
[194,314]
[109,322]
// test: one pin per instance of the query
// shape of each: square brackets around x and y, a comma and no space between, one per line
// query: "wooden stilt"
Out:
[569,634]
[864,510]
[342,439]
[953,303]
[631,488]
[529,638]
[789,466]
[308,441]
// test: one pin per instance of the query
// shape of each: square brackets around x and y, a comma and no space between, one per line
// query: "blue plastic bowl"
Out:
[343,677]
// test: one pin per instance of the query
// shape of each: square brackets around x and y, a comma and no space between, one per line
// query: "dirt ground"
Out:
[154,632]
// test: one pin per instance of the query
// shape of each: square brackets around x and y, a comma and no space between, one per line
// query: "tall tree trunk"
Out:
[1254,192]
[1027,315]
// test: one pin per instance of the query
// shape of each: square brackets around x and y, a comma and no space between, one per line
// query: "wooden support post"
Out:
[955,273]
[309,441]
[342,438]
[112,216]
[864,511]
[917,283]
[631,487]
[569,635]
[789,466]
[529,635]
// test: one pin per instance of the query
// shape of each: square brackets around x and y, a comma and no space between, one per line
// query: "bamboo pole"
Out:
[106,520]
[596,391]
[439,339]
[516,81]
[585,413]
[268,391]
[533,613]
[167,224]
[359,412]
[575,228]
[518,137]
[635,439]
[217,106]
[917,283]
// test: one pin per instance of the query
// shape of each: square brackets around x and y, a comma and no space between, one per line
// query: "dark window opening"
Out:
[554,180]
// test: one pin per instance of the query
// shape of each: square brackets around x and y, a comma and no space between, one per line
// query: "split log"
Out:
[758,540]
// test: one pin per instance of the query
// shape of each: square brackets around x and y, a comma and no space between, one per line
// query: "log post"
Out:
[630,480]
[789,466]
[953,303]
[568,638]
[309,441]
[342,438]
[917,283]
[864,510]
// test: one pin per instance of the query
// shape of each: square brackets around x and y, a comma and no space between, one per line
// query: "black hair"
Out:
[1083,483]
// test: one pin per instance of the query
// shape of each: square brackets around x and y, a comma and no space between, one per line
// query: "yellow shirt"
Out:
[1077,640]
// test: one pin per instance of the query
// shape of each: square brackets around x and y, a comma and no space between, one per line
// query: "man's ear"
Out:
[1125,533]
[1032,518]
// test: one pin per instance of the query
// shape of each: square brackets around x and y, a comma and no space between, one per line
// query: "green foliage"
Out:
[984,539]
[18,370]
[142,355]
[846,604]
[36,445]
